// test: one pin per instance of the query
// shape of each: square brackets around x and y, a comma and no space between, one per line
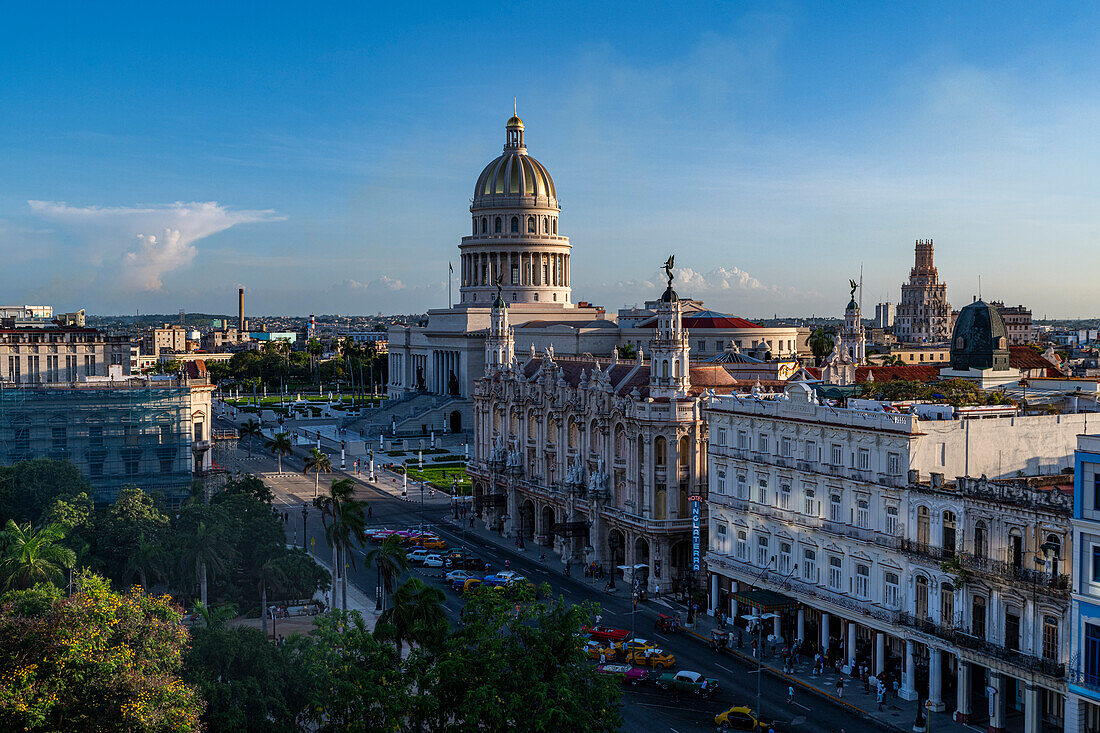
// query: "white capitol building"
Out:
[514,236]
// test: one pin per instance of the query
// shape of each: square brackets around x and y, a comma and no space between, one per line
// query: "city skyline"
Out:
[328,165]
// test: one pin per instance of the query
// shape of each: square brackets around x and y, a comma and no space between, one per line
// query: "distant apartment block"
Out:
[60,354]
[1017,320]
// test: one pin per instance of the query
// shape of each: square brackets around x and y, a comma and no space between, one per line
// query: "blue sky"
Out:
[156,157]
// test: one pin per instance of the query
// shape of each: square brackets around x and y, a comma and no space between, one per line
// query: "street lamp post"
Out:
[305,512]
[758,622]
[378,586]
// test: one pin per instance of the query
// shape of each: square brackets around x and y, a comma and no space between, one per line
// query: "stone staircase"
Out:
[404,409]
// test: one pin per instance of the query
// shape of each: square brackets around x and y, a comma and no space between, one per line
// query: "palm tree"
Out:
[342,517]
[207,547]
[250,430]
[34,556]
[271,571]
[318,462]
[314,349]
[820,343]
[391,561]
[280,446]
[146,559]
[215,618]
[416,616]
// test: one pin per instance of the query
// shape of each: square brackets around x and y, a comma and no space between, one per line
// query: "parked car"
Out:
[433,561]
[625,673]
[470,583]
[654,658]
[605,633]
[687,681]
[432,543]
[509,575]
[741,717]
[457,575]
[631,645]
[417,556]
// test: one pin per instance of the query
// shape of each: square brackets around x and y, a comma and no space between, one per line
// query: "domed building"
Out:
[979,347]
[514,233]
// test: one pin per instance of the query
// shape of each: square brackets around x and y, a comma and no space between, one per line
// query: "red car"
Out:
[605,633]
[625,673]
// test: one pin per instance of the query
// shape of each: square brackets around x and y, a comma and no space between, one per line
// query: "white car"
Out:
[457,575]
[417,555]
[433,561]
[510,575]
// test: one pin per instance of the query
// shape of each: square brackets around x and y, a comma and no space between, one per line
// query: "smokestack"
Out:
[240,308]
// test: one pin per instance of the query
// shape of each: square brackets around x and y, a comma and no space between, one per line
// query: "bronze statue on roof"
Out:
[668,268]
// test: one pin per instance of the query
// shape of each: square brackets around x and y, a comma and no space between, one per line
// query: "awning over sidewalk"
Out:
[764,600]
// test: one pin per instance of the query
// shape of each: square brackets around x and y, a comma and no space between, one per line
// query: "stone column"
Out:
[800,624]
[997,703]
[1033,709]
[824,632]
[962,702]
[713,593]
[880,653]
[852,628]
[907,690]
[1075,713]
[935,681]
[777,625]
[733,603]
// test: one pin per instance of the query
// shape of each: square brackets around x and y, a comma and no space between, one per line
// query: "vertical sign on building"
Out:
[696,509]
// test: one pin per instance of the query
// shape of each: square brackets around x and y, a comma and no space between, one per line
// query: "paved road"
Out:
[644,709]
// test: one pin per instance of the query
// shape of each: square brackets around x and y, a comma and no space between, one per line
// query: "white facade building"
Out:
[844,521]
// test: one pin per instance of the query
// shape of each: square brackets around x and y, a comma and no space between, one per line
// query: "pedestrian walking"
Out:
[881,694]
[790,694]
[840,687]
[370,512]
[657,591]
[896,688]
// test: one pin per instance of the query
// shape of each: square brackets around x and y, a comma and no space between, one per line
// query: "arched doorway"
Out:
[547,524]
[479,498]
[526,527]
[455,421]
[679,558]
[616,548]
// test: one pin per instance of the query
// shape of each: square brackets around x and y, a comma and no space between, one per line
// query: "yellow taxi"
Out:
[433,543]
[633,644]
[598,651]
[652,657]
[739,717]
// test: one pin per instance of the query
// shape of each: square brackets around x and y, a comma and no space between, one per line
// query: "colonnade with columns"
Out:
[538,269]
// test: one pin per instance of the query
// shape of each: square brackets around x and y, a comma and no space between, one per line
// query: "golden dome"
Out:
[514,121]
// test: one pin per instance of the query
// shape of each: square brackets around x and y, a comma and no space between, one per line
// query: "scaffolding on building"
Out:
[123,433]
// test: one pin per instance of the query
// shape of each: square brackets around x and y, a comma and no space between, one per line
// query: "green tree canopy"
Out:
[29,488]
[94,661]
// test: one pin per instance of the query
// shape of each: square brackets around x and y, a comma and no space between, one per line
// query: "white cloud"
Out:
[721,278]
[384,281]
[138,246]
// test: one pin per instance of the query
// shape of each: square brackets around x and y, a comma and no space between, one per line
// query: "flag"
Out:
[450,268]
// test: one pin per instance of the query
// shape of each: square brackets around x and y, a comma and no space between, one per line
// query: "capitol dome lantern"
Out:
[514,235]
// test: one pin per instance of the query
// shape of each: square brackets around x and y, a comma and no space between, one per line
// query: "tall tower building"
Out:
[514,217]
[923,315]
[500,345]
[669,375]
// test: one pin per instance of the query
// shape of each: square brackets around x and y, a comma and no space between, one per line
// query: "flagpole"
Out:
[450,272]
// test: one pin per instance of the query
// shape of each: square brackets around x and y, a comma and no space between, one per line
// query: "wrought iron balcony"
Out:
[964,640]
[935,552]
[1038,579]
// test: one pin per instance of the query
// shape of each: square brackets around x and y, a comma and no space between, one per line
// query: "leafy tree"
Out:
[29,488]
[34,556]
[94,661]
[133,515]
[147,560]
[391,561]
[250,429]
[280,446]
[524,672]
[248,683]
[355,682]
[627,351]
[416,617]
[249,485]
[317,462]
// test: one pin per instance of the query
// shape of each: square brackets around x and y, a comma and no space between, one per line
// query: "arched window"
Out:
[664,368]
[515,225]
[497,225]
[923,525]
[1054,545]
[1016,548]
[536,297]
[530,225]
[676,368]
[660,451]
[1050,638]
[546,225]
[574,433]
[620,442]
[594,436]
[947,605]
[551,431]
[981,539]
[484,224]
[685,451]
[921,600]
[554,223]
[475,226]
[949,532]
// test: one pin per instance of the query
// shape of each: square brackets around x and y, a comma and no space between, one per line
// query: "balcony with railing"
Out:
[960,638]
[1027,577]
[925,549]
[1082,678]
